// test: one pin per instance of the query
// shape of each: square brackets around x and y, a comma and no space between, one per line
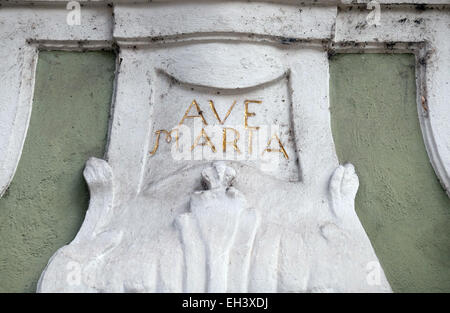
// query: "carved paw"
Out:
[99,177]
[98,174]
[343,188]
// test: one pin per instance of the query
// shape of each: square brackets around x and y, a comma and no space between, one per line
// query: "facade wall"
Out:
[385,111]
[375,126]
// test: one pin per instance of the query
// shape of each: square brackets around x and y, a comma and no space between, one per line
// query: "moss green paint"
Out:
[47,200]
[400,202]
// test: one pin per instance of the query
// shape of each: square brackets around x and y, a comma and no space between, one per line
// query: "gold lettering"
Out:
[168,138]
[204,143]
[250,139]
[199,111]
[268,149]
[213,108]
[234,142]
[247,114]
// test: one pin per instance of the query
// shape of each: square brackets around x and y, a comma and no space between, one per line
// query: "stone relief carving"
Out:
[150,226]
[221,245]
[217,235]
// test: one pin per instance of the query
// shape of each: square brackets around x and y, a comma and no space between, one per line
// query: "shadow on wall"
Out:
[46,202]
[400,203]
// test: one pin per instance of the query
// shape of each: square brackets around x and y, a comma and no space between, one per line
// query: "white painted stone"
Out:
[277,19]
[276,229]
[222,245]
[156,224]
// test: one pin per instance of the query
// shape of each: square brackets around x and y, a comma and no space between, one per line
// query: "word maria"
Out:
[204,139]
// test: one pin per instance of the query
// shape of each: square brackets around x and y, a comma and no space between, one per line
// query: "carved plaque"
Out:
[221,171]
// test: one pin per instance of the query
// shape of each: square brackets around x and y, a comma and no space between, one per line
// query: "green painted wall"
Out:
[400,202]
[46,202]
